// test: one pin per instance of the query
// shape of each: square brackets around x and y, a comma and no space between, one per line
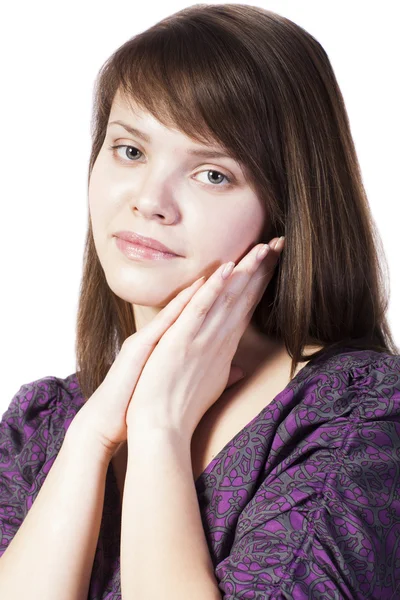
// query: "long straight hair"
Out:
[264,89]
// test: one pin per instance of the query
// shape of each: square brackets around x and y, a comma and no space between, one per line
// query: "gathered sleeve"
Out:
[26,435]
[325,522]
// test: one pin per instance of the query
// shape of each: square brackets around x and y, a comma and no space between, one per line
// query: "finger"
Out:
[197,310]
[253,289]
[241,293]
[152,332]
[137,348]
[247,283]
[169,314]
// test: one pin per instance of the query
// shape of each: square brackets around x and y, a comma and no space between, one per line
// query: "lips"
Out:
[136,238]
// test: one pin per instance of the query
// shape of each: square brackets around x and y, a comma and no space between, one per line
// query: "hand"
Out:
[103,417]
[190,366]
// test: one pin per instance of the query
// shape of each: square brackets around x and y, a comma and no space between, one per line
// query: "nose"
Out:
[155,201]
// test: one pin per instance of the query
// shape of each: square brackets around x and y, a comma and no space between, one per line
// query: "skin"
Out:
[155,189]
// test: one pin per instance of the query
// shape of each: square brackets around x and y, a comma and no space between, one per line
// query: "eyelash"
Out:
[230,180]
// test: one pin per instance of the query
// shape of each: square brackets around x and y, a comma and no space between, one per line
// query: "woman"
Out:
[157,468]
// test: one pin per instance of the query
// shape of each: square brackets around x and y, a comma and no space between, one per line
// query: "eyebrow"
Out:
[147,139]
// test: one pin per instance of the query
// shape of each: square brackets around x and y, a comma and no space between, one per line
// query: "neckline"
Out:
[300,376]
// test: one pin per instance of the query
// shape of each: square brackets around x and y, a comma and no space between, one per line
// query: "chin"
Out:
[138,295]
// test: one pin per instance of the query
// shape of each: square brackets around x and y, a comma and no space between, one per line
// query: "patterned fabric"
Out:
[303,503]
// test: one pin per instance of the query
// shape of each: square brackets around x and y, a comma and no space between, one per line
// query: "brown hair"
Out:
[264,89]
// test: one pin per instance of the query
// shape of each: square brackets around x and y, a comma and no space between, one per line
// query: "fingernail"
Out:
[228,270]
[263,251]
[279,244]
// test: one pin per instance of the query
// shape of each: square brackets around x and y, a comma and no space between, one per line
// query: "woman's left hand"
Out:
[190,366]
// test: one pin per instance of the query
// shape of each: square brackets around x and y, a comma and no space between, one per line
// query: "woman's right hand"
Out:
[103,416]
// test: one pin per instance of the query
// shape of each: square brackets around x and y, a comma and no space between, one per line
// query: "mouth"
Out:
[140,240]
[135,251]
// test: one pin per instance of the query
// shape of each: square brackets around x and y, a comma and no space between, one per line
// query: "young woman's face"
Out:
[159,190]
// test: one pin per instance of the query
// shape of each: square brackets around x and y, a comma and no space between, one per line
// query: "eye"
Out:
[230,180]
[115,148]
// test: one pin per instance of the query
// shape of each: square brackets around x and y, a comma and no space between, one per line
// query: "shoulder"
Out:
[354,363]
[32,430]
[36,401]
[364,381]
[324,509]
[349,396]
[341,440]
[35,422]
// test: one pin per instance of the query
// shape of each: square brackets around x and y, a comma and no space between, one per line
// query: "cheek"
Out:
[229,239]
[241,232]
[251,224]
[98,194]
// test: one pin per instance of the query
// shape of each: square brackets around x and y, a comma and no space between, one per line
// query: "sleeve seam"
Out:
[340,455]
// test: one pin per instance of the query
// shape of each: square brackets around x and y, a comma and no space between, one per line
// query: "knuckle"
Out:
[250,298]
[249,302]
[229,298]
[128,342]
[127,345]
[132,342]
[201,310]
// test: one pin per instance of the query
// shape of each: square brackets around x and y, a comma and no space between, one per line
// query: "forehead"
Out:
[123,109]
[127,106]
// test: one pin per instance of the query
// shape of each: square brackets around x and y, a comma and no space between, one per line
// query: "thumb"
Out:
[235,375]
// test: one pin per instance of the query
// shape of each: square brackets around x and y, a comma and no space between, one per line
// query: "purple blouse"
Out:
[303,503]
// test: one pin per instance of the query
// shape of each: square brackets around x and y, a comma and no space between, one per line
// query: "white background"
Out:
[51,53]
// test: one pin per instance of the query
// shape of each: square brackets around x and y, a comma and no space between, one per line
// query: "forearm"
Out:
[51,555]
[164,551]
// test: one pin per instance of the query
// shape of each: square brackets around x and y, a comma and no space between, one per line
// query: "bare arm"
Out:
[51,555]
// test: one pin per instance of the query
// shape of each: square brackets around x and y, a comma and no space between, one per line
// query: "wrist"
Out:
[152,437]
[84,440]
